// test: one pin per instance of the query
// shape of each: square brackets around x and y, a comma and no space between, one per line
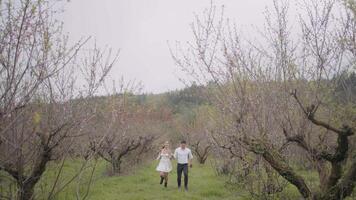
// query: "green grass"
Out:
[143,184]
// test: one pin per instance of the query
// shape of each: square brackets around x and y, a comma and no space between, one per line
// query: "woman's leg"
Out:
[165,179]
[161,174]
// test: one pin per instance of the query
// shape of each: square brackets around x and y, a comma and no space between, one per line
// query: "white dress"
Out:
[165,164]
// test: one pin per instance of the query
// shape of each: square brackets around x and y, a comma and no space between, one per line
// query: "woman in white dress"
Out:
[165,166]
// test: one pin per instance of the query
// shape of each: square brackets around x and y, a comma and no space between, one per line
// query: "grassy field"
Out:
[143,184]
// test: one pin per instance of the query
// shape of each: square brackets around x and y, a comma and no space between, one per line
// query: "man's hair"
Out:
[183,142]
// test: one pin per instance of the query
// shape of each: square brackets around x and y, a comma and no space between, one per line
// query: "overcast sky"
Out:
[141,29]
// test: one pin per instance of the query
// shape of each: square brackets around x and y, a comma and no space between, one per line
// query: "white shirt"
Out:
[182,155]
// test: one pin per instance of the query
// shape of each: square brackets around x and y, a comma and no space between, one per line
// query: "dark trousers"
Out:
[182,168]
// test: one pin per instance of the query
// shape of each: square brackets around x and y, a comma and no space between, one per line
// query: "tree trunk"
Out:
[26,184]
[323,171]
[116,166]
[201,155]
[202,160]
[345,186]
[26,192]
[278,163]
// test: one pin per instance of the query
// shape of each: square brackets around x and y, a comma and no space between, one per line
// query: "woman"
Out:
[165,165]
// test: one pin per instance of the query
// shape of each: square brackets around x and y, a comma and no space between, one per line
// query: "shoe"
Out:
[186,189]
[161,181]
[165,184]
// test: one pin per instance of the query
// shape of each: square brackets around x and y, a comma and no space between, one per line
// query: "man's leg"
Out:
[185,171]
[179,174]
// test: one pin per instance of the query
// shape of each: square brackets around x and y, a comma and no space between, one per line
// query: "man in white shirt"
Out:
[184,158]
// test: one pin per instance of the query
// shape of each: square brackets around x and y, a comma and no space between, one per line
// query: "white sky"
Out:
[141,29]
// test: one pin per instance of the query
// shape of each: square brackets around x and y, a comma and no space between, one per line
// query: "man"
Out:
[184,158]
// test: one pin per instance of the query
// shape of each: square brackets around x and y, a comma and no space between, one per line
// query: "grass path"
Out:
[143,184]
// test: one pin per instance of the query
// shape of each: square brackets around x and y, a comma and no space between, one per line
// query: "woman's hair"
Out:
[164,144]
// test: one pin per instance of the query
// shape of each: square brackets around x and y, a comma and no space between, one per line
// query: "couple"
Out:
[184,157]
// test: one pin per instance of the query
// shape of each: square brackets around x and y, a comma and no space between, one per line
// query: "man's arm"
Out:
[190,158]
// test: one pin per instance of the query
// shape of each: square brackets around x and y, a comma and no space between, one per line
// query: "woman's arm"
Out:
[159,156]
[171,156]
[175,155]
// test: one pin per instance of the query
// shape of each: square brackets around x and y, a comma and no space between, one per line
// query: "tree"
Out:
[277,93]
[41,106]
[196,129]
[125,136]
